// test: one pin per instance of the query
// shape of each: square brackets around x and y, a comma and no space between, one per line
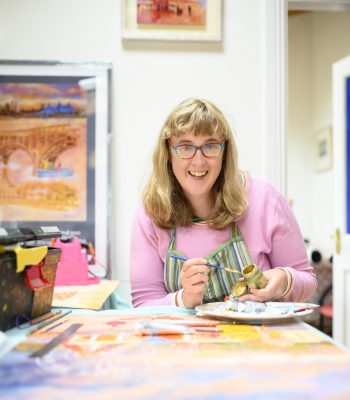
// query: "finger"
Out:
[193,261]
[251,297]
[195,269]
[265,292]
[195,279]
[259,295]
[271,290]
[195,290]
[199,288]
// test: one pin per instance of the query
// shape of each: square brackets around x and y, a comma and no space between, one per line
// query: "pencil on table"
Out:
[56,325]
[45,317]
[46,323]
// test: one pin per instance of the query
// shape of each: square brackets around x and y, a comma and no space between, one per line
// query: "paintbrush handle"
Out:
[209,265]
[225,269]
[56,325]
[220,267]
[185,259]
[233,271]
[44,317]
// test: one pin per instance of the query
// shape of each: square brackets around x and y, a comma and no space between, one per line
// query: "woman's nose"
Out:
[198,157]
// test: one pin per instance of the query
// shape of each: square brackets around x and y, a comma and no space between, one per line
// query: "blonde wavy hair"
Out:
[163,197]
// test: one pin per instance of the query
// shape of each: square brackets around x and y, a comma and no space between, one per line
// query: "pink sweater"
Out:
[269,229]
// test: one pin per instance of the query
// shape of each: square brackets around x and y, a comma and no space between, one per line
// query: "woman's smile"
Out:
[198,174]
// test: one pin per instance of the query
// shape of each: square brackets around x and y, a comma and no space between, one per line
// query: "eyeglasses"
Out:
[208,150]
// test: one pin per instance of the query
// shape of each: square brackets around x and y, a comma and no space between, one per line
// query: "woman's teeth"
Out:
[195,173]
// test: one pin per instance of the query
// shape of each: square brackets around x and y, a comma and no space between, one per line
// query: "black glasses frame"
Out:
[196,148]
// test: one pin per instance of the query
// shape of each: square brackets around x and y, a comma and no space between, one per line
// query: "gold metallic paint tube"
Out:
[239,289]
[253,277]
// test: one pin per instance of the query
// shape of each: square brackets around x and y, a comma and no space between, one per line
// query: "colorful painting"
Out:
[43,149]
[171,12]
[51,157]
[126,356]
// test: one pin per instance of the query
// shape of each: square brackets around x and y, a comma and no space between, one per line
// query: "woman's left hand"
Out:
[276,286]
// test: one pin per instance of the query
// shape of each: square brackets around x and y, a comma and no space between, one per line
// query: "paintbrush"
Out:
[48,322]
[38,319]
[209,265]
[44,317]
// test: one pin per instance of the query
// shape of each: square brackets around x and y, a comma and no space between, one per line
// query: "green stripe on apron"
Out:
[231,254]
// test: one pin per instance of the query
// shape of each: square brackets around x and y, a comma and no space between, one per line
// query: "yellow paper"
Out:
[87,296]
[29,256]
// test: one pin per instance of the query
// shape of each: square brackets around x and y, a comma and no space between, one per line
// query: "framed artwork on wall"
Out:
[193,20]
[324,149]
[54,139]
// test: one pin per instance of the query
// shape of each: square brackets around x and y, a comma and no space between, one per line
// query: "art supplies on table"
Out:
[44,317]
[49,321]
[38,320]
[27,273]
[56,341]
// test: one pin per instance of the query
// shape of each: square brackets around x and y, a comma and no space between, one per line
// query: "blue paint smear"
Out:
[347,155]
[156,340]
[269,395]
[333,382]
[206,376]
[19,379]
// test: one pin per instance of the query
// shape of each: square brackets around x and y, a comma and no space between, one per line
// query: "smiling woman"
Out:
[195,123]
[199,209]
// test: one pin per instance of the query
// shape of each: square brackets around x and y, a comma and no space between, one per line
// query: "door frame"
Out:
[276,114]
[341,268]
[276,80]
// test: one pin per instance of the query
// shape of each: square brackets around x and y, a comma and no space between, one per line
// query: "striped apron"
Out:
[231,254]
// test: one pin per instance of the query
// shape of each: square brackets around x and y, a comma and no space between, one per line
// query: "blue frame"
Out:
[347,101]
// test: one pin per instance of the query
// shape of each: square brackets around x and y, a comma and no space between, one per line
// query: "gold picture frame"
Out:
[210,31]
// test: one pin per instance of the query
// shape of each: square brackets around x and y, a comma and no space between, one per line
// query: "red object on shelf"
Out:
[33,277]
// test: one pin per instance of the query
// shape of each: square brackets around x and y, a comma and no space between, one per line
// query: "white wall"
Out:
[316,41]
[299,150]
[149,78]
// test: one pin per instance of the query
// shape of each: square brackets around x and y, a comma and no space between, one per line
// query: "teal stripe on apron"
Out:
[231,254]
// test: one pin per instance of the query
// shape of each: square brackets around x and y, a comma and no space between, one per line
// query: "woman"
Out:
[199,208]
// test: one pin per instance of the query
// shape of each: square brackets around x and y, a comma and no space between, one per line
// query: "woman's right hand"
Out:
[194,276]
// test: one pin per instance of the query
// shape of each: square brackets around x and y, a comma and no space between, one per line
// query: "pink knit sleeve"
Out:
[288,251]
[146,265]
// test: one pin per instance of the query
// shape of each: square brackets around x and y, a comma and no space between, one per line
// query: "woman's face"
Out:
[196,175]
